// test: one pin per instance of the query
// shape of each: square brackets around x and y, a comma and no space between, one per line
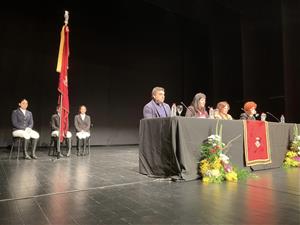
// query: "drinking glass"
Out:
[263,117]
[179,109]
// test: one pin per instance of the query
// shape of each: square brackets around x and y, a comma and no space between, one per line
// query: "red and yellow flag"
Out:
[62,68]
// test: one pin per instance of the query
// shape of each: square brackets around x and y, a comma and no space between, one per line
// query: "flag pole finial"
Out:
[66,17]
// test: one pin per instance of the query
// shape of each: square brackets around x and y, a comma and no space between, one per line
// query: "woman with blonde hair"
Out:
[221,111]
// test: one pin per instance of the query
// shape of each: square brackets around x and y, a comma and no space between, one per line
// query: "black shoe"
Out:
[59,155]
[27,157]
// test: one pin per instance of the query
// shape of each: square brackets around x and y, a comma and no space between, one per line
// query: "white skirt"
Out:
[83,134]
[27,133]
[56,134]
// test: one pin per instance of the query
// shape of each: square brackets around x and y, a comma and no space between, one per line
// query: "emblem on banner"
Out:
[257,142]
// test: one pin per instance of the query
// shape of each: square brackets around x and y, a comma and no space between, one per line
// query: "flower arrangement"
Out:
[292,157]
[215,166]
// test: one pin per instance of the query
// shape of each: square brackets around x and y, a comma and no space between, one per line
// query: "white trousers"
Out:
[56,134]
[83,134]
[27,134]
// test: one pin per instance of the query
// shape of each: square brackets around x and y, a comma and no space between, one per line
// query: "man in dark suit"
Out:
[55,133]
[156,107]
[82,124]
[22,122]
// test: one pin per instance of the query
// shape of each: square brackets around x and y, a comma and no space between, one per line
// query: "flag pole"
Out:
[59,133]
[66,16]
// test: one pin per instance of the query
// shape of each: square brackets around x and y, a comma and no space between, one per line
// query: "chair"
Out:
[87,150]
[18,141]
[89,145]
[89,139]
[53,145]
[88,142]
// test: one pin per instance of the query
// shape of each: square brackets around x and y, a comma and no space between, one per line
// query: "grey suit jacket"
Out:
[21,121]
[54,122]
[150,110]
[82,124]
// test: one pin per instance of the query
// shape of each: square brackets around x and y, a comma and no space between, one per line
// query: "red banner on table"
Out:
[256,142]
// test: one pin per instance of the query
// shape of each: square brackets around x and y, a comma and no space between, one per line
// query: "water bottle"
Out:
[173,110]
[263,117]
[282,120]
[211,113]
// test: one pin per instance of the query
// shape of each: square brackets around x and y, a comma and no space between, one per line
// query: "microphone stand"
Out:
[187,108]
[273,116]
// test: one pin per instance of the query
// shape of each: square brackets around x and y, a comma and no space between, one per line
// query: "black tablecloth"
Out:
[171,146]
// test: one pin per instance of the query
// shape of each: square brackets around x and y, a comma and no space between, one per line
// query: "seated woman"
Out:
[22,121]
[82,124]
[221,111]
[197,107]
[249,111]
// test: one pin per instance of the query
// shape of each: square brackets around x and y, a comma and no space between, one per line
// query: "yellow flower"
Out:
[204,169]
[205,180]
[204,163]
[291,154]
[217,164]
[231,176]
[291,162]
[294,163]
[204,166]
[203,160]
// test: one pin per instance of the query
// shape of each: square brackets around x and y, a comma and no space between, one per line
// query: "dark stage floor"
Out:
[106,188]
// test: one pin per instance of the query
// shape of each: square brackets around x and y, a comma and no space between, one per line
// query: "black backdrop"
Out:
[230,50]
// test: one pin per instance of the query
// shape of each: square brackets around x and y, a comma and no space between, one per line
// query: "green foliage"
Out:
[215,166]
[210,150]
[295,131]
[292,156]
[243,174]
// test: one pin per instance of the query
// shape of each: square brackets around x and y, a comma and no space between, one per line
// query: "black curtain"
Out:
[118,53]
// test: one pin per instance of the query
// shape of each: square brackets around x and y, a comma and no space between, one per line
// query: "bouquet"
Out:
[215,166]
[292,157]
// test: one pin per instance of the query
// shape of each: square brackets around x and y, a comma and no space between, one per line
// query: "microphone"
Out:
[273,116]
[187,108]
[255,115]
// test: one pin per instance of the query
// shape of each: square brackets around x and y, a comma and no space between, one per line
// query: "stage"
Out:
[105,187]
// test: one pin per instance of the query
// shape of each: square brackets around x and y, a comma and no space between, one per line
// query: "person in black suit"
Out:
[55,132]
[82,123]
[22,121]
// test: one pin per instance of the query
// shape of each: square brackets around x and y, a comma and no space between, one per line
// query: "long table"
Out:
[171,146]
